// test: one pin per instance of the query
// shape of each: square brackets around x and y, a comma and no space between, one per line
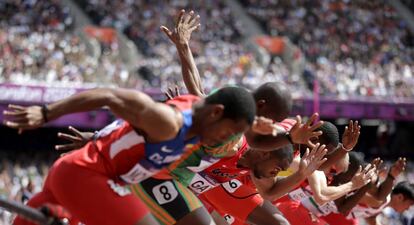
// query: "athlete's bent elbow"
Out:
[320,200]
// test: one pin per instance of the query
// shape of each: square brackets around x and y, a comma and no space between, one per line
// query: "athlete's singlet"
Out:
[124,153]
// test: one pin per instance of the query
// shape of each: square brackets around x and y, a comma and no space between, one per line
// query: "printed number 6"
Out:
[232,185]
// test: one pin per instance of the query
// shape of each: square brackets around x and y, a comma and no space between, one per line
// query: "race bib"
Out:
[297,195]
[165,192]
[229,219]
[328,208]
[137,174]
[232,185]
[200,184]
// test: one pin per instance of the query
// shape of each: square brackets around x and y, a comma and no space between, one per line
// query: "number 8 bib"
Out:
[165,192]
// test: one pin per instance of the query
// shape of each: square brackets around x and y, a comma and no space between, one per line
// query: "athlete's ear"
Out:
[216,111]
[264,154]
[400,197]
[261,103]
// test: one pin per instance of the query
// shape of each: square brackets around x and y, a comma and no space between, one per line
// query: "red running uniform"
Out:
[237,196]
[88,182]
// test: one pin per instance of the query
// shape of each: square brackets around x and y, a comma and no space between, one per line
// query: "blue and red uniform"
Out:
[88,182]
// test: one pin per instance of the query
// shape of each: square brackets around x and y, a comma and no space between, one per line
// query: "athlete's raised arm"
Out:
[346,203]
[300,133]
[323,193]
[381,192]
[159,121]
[180,36]
[274,188]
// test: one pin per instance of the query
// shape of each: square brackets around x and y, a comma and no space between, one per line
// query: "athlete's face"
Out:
[269,166]
[276,112]
[216,130]
[400,203]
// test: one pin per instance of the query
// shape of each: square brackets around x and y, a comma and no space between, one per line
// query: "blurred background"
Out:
[344,59]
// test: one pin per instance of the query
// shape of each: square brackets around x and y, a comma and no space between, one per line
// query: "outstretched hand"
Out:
[172,92]
[313,160]
[264,126]
[303,133]
[351,135]
[398,167]
[23,118]
[185,25]
[363,176]
[78,139]
[377,162]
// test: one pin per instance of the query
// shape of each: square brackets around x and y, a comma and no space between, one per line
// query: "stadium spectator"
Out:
[37,46]
[355,48]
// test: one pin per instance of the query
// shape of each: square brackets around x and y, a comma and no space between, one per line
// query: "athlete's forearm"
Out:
[283,186]
[331,193]
[323,193]
[189,70]
[380,193]
[346,203]
[81,102]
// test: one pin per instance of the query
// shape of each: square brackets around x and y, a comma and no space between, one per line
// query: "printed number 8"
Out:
[165,194]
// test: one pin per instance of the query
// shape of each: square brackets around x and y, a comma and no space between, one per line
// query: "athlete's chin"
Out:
[208,142]
[257,174]
[205,142]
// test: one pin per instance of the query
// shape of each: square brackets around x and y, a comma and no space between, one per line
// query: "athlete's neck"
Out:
[197,120]
[246,159]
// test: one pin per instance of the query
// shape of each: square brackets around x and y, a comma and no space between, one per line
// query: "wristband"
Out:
[45,110]
[347,150]
[287,135]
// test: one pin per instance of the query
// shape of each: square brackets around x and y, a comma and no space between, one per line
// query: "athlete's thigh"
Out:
[265,214]
[147,220]
[199,216]
[94,198]
[168,200]
[220,219]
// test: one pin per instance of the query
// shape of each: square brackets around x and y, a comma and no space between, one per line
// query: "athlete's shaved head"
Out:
[270,163]
[329,137]
[273,100]
[238,103]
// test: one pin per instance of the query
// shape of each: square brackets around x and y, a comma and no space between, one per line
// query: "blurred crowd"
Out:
[38,46]
[409,3]
[354,48]
[21,176]
[217,46]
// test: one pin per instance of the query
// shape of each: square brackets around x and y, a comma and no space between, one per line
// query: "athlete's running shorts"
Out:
[297,214]
[90,196]
[168,200]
